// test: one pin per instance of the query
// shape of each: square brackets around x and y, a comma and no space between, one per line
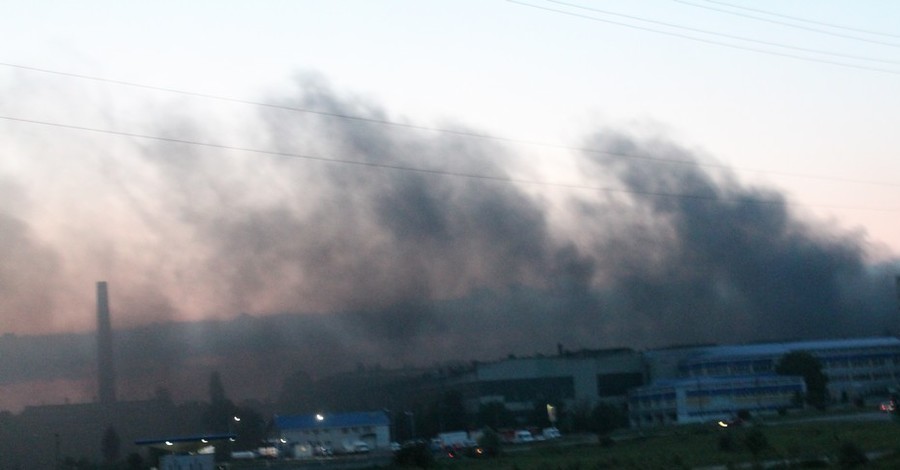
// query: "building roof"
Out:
[332,420]
[778,349]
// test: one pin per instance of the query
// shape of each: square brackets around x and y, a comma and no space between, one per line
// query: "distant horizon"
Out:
[190,382]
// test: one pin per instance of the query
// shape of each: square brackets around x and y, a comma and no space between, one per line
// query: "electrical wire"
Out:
[785,23]
[508,140]
[727,36]
[805,20]
[431,171]
[709,41]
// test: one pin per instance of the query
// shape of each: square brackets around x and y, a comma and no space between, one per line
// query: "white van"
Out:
[551,433]
[522,436]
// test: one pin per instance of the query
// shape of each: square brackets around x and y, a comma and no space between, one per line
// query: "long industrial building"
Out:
[716,382]
[681,385]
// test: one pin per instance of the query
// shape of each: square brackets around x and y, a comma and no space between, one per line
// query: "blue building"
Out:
[855,367]
[702,399]
[692,384]
[309,435]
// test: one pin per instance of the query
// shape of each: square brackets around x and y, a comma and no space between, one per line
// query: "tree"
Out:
[216,389]
[297,392]
[756,442]
[418,455]
[490,442]
[850,455]
[109,445]
[250,430]
[446,413]
[606,418]
[454,411]
[495,415]
[134,461]
[540,415]
[220,414]
[807,366]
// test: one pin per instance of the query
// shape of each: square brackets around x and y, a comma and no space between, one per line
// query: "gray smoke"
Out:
[338,264]
[711,259]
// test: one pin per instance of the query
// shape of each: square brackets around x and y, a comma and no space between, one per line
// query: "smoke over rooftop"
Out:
[399,266]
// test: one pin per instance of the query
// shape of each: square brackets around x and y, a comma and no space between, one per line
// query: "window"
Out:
[531,389]
[609,385]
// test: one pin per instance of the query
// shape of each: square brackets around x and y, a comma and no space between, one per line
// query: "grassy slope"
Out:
[698,446]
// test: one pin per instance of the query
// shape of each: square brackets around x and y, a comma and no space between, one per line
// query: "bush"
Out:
[851,455]
[756,442]
[489,442]
[418,455]
[727,443]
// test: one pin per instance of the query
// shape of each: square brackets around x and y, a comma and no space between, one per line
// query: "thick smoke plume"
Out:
[343,263]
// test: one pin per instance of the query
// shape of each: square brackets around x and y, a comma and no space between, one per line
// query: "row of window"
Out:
[755,366]
[522,390]
[766,390]
[865,377]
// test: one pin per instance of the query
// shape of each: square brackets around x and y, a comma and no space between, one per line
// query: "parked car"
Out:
[523,436]
[551,433]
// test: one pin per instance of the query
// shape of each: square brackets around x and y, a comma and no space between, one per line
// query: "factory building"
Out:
[702,399]
[855,367]
[584,377]
[715,382]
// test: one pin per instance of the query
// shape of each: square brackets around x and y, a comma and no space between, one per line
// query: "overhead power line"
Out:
[807,20]
[785,23]
[356,118]
[725,35]
[430,171]
[708,41]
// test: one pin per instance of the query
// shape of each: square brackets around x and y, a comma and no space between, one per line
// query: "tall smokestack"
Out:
[106,372]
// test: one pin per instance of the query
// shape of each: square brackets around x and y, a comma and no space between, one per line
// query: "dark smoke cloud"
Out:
[732,262]
[339,264]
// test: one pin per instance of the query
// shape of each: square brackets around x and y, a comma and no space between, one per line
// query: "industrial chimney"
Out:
[106,372]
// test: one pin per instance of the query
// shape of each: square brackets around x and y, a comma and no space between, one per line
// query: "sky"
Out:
[607,172]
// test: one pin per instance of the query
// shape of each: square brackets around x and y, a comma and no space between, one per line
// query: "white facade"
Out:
[711,399]
[337,432]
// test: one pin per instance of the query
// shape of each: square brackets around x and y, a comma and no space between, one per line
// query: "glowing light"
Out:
[319,417]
